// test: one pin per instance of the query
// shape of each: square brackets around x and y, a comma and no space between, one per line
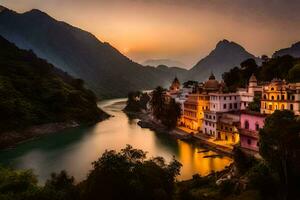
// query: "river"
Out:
[74,149]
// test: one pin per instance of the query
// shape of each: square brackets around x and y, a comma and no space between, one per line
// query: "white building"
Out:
[219,103]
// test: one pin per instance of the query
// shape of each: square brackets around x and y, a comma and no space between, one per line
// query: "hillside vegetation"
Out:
[32,92]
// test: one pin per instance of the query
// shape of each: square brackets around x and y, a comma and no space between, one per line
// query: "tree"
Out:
[172,112]
[255,105]
[128,175]
[294,73]
[280,147]
[157,102]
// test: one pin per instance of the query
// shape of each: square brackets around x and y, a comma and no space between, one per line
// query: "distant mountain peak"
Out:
[167,62]
[2,8]
[37,12]
[293,50]
[225,56]
[228,44]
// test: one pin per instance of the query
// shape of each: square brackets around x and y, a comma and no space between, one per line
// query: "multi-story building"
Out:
[250,124]
[198,102]
[227,127]
[280,95]
[194,108]
[219,103]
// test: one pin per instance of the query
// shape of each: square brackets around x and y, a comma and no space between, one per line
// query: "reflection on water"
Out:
[75,149]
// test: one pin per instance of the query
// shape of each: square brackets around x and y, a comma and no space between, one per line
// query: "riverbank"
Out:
[147,121]
[11,139]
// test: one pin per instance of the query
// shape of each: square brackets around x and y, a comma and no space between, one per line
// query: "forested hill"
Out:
[33,92]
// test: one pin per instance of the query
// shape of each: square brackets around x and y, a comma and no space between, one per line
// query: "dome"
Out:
[212,83]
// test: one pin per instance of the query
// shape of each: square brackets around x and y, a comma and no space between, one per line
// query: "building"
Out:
[175,86]
[198,102]
[227,127]
[219,103]
[194,108]
[250,124]
[280,95]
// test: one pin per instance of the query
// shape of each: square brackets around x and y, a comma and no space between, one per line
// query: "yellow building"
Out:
[279,95]
[227,128]
[194,108]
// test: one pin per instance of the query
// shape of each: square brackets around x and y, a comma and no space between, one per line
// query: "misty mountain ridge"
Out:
[167,62]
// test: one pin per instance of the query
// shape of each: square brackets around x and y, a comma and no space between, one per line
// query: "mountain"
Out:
[104,69]
[225,56]
[167,62]
[34,92]
[294,51]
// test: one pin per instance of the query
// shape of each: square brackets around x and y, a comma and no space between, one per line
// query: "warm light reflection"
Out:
[194,162]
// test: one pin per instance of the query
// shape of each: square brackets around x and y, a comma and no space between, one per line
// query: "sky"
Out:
[183,30]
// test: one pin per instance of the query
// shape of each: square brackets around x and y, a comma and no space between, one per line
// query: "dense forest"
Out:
[285,67]
[33,92]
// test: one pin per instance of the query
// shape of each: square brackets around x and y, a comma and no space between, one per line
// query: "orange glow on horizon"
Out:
[178,30]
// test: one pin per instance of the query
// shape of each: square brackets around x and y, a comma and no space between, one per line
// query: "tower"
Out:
[252,84]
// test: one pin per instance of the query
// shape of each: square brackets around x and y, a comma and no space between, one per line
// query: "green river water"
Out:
[74,149]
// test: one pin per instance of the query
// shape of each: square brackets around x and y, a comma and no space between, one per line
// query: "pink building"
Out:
[250,123]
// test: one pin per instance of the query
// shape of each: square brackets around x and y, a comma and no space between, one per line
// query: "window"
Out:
[282,97]
[224,98]
[257,127]
[234,97]
[235,105]
[270,107]
[224,106]
[277,97]
[282,107]
[246,124]
[265,96]
[230,106]
[230,98]
[226,138]
[293,97]
[272,89]
[272,97]
[249,141]
[291,107]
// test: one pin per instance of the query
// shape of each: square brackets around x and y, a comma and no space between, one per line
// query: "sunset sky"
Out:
[178,29]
